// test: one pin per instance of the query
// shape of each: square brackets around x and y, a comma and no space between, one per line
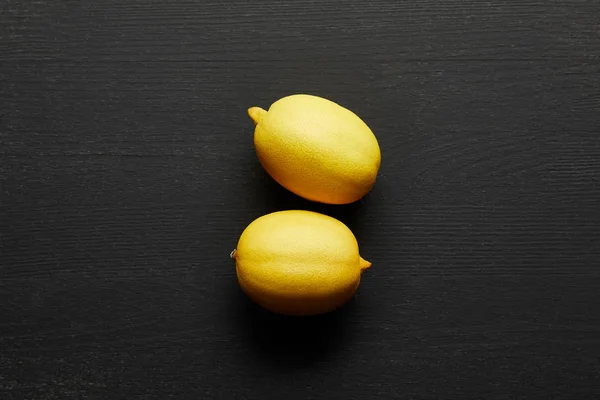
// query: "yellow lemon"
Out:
[298,262]
[316,148]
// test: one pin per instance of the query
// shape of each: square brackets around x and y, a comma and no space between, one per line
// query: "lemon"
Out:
[298,262]
[316,148]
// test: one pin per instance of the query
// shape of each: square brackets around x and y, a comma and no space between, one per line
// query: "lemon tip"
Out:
[364,264]
[257,114]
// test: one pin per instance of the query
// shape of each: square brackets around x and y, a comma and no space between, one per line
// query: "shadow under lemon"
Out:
[277,198]
[292,342]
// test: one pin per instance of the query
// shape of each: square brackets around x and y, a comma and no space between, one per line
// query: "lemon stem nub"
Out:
[364,264]
[232,254]
[257,114]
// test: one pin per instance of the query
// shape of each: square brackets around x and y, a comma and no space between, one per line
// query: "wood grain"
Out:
[127,173]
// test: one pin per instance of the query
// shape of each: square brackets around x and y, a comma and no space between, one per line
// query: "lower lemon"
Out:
[298,262]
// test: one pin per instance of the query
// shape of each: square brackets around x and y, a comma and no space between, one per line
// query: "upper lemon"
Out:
[316,148]
[298,262]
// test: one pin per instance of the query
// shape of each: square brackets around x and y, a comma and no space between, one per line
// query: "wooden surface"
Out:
[128,173]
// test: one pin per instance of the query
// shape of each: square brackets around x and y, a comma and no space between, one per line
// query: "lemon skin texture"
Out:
[316,148]
[298,262]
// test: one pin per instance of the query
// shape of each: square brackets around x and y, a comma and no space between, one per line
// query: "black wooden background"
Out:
[128,173]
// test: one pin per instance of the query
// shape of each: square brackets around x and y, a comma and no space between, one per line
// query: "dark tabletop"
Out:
[128,173]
